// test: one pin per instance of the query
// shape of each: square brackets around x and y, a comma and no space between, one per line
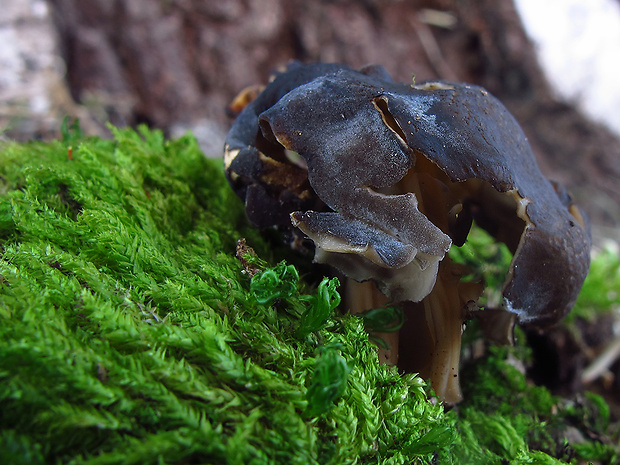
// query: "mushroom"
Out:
[384,177]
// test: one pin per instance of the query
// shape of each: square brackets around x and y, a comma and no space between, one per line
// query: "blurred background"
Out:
[176,64]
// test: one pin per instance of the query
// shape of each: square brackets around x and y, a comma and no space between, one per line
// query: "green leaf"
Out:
[437,438]
[71,133]
[383,320]
[274,283]
[322,304]
[329,381]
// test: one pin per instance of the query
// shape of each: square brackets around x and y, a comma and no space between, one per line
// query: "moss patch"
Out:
[130,334]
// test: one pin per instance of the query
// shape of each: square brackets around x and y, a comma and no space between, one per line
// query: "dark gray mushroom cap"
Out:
[360,135]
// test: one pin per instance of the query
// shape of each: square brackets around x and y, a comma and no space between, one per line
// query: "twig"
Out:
[600,365]
[432,50]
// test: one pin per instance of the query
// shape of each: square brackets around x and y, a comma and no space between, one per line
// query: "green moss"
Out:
[128,333]
[487,260]
[506,419]
[503,416]
[600,293]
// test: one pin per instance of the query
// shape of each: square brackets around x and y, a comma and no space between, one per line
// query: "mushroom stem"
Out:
[430,341]
[365,296]
[444,314]
[431,335]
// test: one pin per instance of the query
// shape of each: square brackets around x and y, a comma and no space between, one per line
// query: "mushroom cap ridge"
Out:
[328,114]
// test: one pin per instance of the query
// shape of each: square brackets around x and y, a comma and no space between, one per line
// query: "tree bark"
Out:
[177,65]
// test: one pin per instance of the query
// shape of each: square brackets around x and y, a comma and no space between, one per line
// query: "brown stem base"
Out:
[430,341]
